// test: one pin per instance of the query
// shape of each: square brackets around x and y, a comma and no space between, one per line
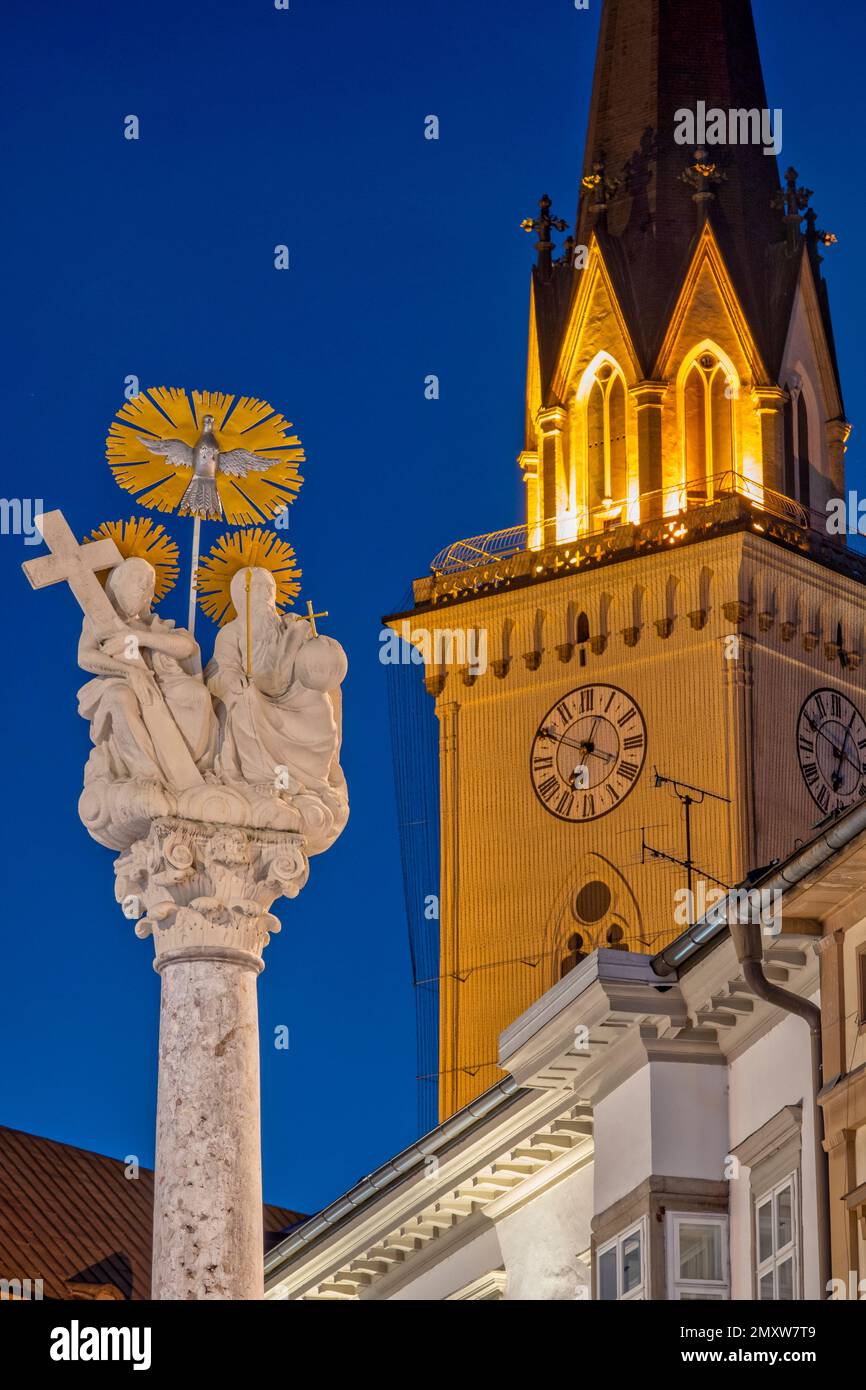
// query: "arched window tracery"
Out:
[708,411]
[606,476]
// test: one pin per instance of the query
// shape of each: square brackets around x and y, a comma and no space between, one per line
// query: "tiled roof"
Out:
[74,1220]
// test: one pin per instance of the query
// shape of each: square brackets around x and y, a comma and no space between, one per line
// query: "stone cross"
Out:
[77,565]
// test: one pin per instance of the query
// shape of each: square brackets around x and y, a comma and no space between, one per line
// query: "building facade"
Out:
[664,1130]
[654,1139]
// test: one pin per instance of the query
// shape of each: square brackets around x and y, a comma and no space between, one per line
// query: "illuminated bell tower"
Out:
[673,601]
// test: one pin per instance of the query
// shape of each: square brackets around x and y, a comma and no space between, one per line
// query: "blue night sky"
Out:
[156,258]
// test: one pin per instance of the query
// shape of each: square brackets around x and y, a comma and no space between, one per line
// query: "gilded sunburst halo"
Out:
[152,447]
[141,538]
[205,454]
[249,549]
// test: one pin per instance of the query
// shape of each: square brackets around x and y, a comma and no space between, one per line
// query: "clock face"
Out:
[588,753]
[831,748]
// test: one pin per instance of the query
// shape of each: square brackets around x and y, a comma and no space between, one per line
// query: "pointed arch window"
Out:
[606,441]
[798,445]
[804,461]
[709,424]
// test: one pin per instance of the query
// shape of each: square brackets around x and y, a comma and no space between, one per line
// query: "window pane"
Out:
[696,434]
[618,486]
[631,1262]
[701,1252]
[785,1276]
[765,1231]
[784,1218]
[702,1298]
[607,1276]
[765,1288]
[595,445]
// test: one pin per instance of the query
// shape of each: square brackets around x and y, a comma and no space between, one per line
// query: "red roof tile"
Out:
[74,1220]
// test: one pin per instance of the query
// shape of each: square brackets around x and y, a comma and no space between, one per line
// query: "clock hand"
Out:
[819,732]
[559,738]
[597,753]
[842,753]
[581,747]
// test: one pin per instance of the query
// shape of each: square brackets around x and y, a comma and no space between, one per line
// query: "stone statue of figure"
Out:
[126,666]
[278,687]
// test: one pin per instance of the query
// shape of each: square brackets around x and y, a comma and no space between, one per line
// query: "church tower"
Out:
[673,614]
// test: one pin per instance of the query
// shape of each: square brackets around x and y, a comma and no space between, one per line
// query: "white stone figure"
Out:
[149,652]
[278,688]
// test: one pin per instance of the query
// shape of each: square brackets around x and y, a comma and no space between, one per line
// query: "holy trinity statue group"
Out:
[261,724]
[193,772]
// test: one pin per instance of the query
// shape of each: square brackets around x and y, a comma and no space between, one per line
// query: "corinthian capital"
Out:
[202,889]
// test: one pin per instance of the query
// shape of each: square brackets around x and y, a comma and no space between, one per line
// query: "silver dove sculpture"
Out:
[204,458]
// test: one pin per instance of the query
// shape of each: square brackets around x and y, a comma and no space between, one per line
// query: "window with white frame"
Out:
[621,1266]
[697,1250]
[776,1243]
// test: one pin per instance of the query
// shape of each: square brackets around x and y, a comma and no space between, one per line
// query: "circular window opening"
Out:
[592,902]
[616,938]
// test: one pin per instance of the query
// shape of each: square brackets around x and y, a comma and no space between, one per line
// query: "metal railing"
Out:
[667,504]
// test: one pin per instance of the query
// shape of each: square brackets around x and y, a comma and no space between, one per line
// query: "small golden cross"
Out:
[313,616]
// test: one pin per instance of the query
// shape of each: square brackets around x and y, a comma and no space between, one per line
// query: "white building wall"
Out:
[689,1109]
[623,1139]
[775,1072]
[669,1119]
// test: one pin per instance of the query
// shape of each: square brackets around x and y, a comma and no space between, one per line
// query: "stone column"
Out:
[551,423]
[769,402]
[739,720]
[838,434]
[648,397]
[205,891]
[207,1232]
[529,465]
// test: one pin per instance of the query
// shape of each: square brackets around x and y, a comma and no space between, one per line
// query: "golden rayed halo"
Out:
[168,412]
[243,550]
[145,540]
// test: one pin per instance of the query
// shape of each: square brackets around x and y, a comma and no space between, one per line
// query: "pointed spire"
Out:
[657,59]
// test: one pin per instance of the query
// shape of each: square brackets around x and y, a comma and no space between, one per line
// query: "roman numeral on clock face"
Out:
[548,788]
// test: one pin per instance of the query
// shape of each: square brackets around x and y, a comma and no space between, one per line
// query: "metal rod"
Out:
[193,573]
[689,866]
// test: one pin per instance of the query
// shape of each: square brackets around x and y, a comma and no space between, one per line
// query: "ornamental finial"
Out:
[543,225]
[703,176]
[794,202]
[599,187]
[816,237]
